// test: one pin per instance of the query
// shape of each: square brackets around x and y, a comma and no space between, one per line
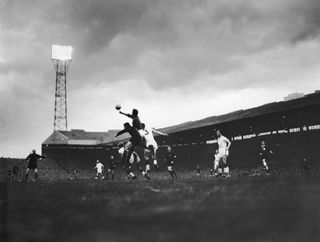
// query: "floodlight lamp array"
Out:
[61,52]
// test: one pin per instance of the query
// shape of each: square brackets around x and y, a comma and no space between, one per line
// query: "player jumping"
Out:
[32,163]
[169,159]
[223,152]
[135,118]
[151,147]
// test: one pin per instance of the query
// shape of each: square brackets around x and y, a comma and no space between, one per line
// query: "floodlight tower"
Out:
[61,58]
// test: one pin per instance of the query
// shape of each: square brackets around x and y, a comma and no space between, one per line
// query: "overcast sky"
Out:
[175,61]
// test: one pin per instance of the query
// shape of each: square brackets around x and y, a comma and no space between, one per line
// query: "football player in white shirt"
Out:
[150,151]
[99,166]
[223,152]
[214,168]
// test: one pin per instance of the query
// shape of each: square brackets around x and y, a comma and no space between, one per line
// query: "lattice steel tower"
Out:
[61,58]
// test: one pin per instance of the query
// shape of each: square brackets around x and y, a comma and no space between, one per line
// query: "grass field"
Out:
[262,208]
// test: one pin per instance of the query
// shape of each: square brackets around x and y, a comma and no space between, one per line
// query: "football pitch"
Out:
[261,208]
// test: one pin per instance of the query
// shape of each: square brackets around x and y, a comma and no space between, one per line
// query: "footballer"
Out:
[223,152]
[32,160]
[264,154]
[99,167]
[111,168]
[151,146]
[169,159]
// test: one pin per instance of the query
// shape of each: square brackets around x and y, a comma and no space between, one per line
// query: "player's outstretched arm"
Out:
[126,114]
[28,158]
[121,132]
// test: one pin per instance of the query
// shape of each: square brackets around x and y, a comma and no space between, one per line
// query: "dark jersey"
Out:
[170,158]
[112,165]
[15,170]
[264,152]
[135,135]
[32,160]
[135,121]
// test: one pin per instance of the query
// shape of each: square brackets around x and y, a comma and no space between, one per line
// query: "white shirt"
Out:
[121,151]
[222,143]
[99,167]
[148,135]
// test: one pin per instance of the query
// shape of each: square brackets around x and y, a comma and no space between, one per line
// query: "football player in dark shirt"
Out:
[198,170]
[169,159]
[111,168]
[15,172]
[32,163]
[135,141]
[264,154]
[135,118]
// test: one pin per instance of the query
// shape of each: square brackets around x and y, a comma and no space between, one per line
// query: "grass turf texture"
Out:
[262,208]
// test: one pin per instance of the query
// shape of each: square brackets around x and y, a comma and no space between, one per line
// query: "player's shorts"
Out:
[152,145]
[141,132]
[132,159]
[221,157]
[148,154]
[32,166]
[170,168]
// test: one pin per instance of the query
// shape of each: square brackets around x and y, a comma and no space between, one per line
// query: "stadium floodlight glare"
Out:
[60,52]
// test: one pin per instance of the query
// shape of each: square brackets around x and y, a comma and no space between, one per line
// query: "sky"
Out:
[173,60]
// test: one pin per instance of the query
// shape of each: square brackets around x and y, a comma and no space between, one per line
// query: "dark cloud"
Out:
[165,43]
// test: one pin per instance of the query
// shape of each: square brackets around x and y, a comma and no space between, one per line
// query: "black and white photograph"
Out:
[159,120]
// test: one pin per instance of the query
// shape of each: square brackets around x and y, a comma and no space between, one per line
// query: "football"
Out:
[118,106]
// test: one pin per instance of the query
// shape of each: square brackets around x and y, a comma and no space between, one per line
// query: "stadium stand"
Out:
[291,128]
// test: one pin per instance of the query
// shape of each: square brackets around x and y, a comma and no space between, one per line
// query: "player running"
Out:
[150,152]
[99,166]
[169,159]
[223,152]
[32,163]
[264,154]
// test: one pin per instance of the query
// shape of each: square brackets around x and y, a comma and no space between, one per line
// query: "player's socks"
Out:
[226,171]
[148,168]
[36,175]
[155,163]
[220,171]
[146,176]
[26,176]
[175,174]
[112,176]
[171,174]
